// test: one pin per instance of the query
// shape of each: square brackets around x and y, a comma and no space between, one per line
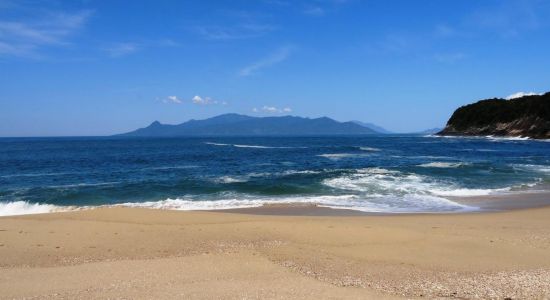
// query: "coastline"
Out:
[145,253]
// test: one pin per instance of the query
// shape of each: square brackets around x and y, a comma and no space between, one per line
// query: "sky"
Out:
[71,68]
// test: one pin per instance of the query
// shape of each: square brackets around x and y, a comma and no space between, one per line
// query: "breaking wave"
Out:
[26,208]
[249,146]
[443,165]
[338,156]
[389,204]
[381,182]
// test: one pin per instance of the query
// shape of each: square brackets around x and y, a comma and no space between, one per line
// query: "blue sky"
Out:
[104,67]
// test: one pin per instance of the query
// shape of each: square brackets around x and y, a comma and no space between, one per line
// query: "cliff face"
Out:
[527,116]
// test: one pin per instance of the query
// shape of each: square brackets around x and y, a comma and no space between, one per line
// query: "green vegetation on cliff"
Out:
[528,116]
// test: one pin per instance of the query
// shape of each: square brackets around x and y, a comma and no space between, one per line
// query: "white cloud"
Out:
[172,99]
[202,100]
[126,48]
[275,58]
[195,100]
[24,38]
[272,109]
[521,94]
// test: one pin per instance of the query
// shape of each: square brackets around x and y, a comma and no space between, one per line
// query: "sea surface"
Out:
[386,173]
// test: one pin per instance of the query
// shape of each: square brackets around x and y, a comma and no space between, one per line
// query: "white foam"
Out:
[338,156]
[463,192]
[84,184]
[231,179]
[369,149]
[35,175]
[531,167]
[507,138]
[295,172]
[386,204]
[26,208]
[438,164]
[250,146]
[378,181]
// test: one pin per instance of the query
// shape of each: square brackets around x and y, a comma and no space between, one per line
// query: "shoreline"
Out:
[485,204]
[143,253]
[479,204]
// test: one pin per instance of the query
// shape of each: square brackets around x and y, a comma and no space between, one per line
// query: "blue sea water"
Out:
[387,173]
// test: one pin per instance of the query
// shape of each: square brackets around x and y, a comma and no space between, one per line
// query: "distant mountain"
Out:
[527,116]
[373,127]
[429,131]
[241,125]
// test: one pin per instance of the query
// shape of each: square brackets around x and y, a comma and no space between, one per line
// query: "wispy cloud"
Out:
[121,49]
[508,18]
[521,94]
[236,32]
[126,48]
[276,57]
[25,38]
[172,99]
[272,109]
[198,100]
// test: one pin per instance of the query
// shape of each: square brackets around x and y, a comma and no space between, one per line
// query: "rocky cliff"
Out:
[528,116]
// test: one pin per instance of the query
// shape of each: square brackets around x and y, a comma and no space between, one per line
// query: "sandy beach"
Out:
[143,253]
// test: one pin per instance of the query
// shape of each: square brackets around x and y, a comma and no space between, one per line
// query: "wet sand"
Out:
[142,253]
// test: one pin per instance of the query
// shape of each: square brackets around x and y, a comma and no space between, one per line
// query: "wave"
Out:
[247,177]
[173,167]
[438,164]
[250,146]
[507,138]
[369,149]
[531,167]
[83,185]
[383,182]
[338,156]
[388,204]
[231,179]
[36,175]
[26,208]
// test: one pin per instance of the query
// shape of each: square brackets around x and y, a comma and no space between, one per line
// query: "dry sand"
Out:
[140,253]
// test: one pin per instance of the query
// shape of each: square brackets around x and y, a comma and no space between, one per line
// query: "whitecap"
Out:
[438,164]
[532,167]
[507,138]
[26,208]
[83,184]
[384,204]
[372,149]
[338,156]
[378,181]
[251,146]
[231,179]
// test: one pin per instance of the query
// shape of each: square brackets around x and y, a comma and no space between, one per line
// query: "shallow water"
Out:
[388,173]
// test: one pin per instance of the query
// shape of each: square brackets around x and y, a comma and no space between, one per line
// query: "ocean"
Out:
[383,173]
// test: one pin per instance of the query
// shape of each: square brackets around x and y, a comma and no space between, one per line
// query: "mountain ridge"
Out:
[233,124]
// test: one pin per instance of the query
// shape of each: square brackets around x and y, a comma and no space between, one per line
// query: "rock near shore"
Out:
[528,116]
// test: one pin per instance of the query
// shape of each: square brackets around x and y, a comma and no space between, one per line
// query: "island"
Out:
[242,125]
[527,116]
